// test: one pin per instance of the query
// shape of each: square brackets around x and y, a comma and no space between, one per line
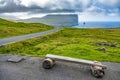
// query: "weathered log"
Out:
[48,63]
[97,68]
[79,61]
[97,71]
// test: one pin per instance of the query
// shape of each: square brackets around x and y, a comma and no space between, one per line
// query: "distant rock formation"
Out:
[56,20]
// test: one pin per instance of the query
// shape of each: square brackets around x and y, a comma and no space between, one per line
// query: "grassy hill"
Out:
[11,28]
[91,44]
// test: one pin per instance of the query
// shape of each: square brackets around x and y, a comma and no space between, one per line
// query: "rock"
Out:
[102,49]
[16,59]
[113,45]
[106,44]
[102,43]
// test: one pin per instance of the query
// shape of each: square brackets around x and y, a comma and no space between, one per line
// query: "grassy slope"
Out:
[9,28]
[70,42]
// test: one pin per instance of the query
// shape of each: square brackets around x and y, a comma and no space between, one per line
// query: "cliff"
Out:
[56,20]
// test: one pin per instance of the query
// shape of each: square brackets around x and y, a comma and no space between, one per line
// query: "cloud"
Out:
[39,6]
[15,6]
[86,16]
[11,17]
[30,8]
[37,2]
[110,3]
[95,9]
[44,6]
[22,15]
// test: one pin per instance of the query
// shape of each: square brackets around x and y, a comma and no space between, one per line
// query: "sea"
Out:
[98,25]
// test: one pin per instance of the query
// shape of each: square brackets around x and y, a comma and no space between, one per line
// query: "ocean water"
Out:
[98,25]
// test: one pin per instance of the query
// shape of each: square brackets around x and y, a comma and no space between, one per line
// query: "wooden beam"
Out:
[79,61]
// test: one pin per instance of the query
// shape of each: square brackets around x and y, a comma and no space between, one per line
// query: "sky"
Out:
[87,10]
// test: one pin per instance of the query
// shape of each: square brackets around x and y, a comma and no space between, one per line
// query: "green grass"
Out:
[10,28]
[70,42]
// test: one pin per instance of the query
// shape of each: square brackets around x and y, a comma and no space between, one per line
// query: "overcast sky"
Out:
[88,10]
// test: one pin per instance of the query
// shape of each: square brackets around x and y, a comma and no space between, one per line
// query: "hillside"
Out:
[56,20]
[91,44]
[12,28]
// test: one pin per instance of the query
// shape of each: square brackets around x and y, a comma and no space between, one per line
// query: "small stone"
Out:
[102,49]
[106,44]
[16,59]
[98,43]
[113,45]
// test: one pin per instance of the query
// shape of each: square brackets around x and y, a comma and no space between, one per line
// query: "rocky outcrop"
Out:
[111,44]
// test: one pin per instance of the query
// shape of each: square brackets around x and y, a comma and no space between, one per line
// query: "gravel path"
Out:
[24,37]
[31,69]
